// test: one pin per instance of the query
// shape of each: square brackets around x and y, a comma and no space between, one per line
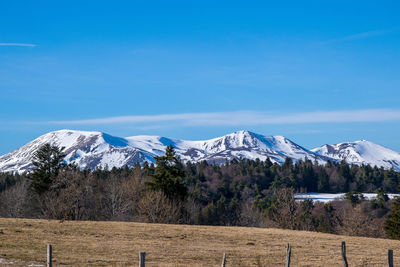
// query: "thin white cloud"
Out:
[357,36]
[241,118]
[17,44]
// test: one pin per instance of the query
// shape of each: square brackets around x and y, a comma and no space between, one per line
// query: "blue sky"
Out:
[314,71]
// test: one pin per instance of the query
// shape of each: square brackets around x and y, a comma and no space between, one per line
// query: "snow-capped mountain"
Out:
[86,149]
[90,150]
[241,144]
[362,152]
[95,149]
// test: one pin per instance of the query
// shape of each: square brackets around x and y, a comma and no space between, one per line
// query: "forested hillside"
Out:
[244,192]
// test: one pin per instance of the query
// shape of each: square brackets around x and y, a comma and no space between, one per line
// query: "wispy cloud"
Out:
[242,118]
[17,44]
[357,36]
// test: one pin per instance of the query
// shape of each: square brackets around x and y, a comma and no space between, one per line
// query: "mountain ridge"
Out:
[361,152]
[93,149]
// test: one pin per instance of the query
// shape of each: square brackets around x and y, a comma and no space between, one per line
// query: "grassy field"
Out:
[24,241]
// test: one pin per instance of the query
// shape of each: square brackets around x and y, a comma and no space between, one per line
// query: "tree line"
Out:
[239,192]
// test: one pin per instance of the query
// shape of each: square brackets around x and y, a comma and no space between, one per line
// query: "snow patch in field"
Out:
[326,197]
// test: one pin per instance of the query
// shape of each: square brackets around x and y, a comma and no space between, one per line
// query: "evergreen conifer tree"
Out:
[392,224]
[168,175]
[48,160]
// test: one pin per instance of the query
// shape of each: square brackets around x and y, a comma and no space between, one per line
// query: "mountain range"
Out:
[91,150]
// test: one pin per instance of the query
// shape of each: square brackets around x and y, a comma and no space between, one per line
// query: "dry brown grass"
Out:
[24,241]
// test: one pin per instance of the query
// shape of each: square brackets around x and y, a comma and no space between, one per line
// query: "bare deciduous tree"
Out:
[69,197]
[121,197]
[156,207]
[355,222]
[284,211]
[13,201]
[251,216]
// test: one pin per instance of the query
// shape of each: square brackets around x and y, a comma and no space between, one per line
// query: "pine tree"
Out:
[323,181]
[381,198]
[48,160]
[168,175]
[392,224]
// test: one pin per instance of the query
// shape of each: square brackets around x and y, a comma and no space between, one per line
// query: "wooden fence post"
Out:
[223,260]
[49,255]
[344,254]
[390,258]
[288,254]
[142,259]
